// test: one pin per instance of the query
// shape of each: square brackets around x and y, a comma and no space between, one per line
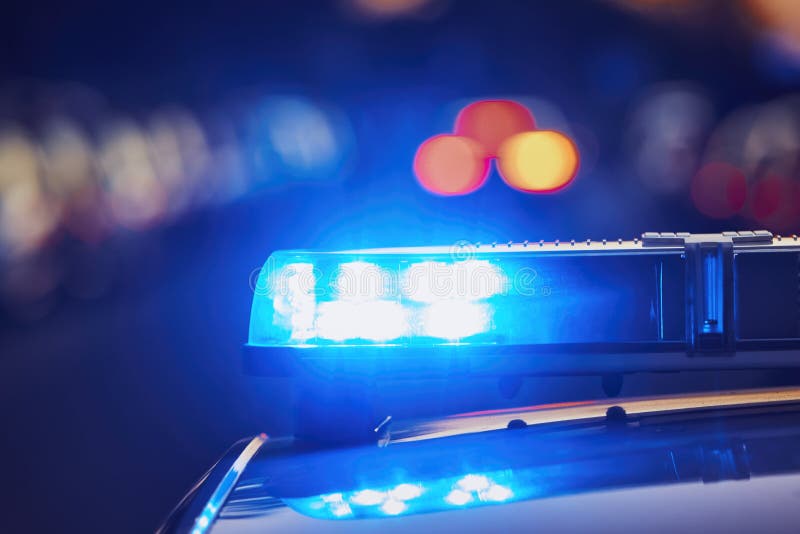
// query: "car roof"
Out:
[688,462]
[759,505]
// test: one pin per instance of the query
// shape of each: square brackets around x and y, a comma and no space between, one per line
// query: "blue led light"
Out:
[467,280]
[432,296]
[497,493]
[294,301]
[458,497]
[405,492]
[362,281]
[374,301]
[392,507]
[473,483]
[368,497]
[453,320]
[341,510]
[374,321]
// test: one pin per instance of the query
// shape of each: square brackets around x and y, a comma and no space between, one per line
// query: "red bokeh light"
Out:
[490,122]
[719,190]
[776,202]
[451,165]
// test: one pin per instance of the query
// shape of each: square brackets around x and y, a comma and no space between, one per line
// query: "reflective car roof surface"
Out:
[725,462]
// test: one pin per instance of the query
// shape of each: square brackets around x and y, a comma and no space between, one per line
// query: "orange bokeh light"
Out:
[780,15]
[719,190]
[451,165]
[541,161]
[491,122]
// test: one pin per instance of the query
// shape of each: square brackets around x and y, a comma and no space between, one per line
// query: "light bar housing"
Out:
[665,301]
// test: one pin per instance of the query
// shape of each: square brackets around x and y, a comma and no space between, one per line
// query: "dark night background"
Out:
[119,348]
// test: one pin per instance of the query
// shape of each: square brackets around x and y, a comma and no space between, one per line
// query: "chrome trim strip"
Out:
[206,518]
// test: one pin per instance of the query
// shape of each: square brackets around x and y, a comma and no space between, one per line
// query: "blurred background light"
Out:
[719,190]
[772,140]
[393,9]
[180,157]
[776,203]
[71,175]
[663,7]
[292,139]
[761,145]
[67,157]
[28,215]
[667,129]
[778,17]
[451,165]
[136,197]
[491,122]
[538,162]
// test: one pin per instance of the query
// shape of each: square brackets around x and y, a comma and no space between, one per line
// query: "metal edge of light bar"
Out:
[649,242]
[488,360]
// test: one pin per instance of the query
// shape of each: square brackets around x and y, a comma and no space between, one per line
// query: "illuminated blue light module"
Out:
[430,296]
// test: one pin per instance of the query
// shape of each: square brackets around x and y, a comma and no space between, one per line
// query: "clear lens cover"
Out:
[437,295]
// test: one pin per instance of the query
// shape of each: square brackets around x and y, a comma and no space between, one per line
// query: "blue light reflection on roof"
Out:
[472,489]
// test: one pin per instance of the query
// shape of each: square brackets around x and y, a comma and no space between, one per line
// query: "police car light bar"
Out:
[667,301]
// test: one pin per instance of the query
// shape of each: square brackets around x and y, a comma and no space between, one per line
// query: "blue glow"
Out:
[455,319]
[473,489]
[292,138]
[433,295]
[335,504]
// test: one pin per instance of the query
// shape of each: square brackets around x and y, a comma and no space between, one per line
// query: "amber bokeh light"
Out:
[541,161]
[528,160]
